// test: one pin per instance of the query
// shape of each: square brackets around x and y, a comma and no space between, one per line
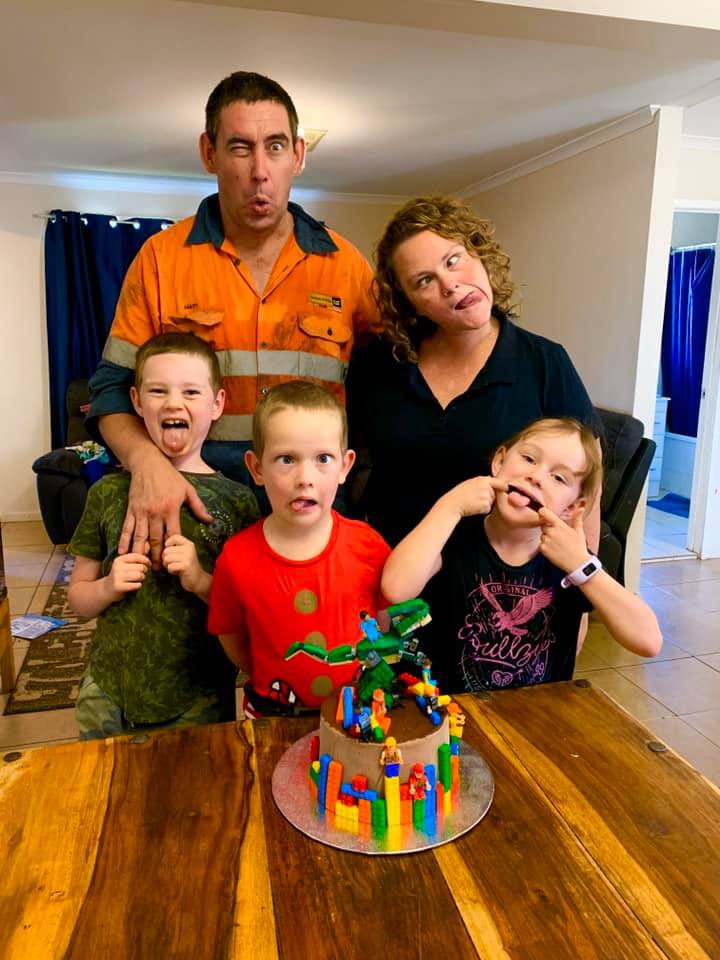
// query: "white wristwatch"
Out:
[583,573]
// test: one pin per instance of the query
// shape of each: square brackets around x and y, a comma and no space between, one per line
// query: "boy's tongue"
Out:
[302,504]
[517,498]
[174,436]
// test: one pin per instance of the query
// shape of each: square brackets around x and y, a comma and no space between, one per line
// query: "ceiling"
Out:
[416,96]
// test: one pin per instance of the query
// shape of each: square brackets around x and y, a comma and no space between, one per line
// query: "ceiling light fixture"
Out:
[312,137]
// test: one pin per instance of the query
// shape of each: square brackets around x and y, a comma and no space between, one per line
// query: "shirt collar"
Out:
[310,234]
[502,364]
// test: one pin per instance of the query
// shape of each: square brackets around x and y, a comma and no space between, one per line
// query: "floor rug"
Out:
[50,674]
[672,503]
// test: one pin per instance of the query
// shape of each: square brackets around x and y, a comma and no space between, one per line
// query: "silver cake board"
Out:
[291,792]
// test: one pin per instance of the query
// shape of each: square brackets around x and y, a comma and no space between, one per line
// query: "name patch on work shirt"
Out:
[324,300]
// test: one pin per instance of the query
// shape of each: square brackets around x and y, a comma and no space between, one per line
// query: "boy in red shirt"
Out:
[303,574]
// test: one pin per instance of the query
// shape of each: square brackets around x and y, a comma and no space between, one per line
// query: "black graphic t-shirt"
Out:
[495,625]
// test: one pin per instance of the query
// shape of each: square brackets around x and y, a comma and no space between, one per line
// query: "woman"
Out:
[453,375]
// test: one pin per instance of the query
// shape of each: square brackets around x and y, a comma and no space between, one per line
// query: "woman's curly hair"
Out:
[453,220]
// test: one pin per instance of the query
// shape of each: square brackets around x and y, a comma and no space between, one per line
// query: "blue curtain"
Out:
[687,305]
[85,262]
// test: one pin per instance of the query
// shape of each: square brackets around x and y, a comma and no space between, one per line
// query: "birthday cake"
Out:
[387,751]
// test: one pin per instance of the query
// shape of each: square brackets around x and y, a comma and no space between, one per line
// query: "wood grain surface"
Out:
[172,848]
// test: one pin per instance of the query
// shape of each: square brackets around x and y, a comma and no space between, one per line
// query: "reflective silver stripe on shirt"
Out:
[120,352]
[287,363]
[248,363]
[231,426]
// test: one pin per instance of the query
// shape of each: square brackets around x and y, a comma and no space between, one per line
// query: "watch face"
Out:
[588,568]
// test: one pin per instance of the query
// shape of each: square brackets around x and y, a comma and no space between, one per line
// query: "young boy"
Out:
[302,575]
[153,662]
[515,577]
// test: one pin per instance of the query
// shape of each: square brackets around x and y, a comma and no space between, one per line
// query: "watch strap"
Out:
[586,571]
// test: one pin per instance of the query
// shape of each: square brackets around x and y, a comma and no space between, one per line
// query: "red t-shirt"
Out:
[275,602]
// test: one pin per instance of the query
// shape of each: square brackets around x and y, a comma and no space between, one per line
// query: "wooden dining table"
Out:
[600,842]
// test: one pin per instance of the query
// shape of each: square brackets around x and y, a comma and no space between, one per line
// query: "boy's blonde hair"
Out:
[592,476]
[178,343]
[295,395]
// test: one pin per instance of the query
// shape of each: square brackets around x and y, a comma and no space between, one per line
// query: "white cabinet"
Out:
[661,405]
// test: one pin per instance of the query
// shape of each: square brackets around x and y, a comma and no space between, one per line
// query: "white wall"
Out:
[577,234]
[698,186]
[23,343]
[698,179]
[588,238]
[692,229]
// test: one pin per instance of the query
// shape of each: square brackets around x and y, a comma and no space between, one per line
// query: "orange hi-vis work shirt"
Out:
[189,278]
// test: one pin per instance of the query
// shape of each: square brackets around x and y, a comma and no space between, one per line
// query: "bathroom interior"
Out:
[675,428]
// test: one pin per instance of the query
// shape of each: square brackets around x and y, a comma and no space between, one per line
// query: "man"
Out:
[277,294]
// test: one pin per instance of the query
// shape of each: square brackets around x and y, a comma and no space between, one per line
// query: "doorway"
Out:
[692,264]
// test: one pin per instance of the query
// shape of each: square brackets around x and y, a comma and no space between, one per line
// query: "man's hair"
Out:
[295,395]
[592,475]
[447,218]
[178,343]
[248,88]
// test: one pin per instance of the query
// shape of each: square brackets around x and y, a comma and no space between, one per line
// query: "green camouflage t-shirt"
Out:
[151,652]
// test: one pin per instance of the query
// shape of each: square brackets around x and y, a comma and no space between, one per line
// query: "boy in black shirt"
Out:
[513,579]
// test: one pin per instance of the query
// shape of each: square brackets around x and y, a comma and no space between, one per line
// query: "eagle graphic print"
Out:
[506,638]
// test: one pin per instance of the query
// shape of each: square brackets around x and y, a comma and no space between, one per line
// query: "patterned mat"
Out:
[50,675]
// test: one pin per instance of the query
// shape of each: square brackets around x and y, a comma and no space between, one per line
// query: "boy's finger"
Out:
[577,521]
[548,518]
[497,484]
[175,540]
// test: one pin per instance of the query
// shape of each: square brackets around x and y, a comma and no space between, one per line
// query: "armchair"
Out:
[62,480]
[627,455]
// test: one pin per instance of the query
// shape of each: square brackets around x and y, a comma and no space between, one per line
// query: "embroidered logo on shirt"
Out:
[323,300]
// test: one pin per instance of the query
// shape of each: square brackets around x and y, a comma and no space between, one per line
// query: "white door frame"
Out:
[704,522]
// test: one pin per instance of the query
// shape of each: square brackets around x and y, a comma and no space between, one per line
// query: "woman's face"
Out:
[444,282]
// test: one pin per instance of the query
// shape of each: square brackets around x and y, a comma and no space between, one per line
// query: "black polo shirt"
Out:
[419,451]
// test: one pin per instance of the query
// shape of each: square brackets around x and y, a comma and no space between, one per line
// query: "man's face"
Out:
[254,160]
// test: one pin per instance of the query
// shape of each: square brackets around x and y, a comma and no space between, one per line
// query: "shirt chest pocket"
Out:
[333,328]
[205,324]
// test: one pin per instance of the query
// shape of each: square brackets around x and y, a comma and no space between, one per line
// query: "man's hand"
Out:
[474,496]
[157,491]
[127,574]
[563,543]
[180,558]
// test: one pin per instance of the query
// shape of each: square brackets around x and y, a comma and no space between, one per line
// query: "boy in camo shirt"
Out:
[153,663]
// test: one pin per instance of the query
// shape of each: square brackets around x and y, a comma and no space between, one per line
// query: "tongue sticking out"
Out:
[518,499]
[174,435]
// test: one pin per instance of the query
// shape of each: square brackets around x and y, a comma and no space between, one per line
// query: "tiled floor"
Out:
[676,694]
[665,535]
